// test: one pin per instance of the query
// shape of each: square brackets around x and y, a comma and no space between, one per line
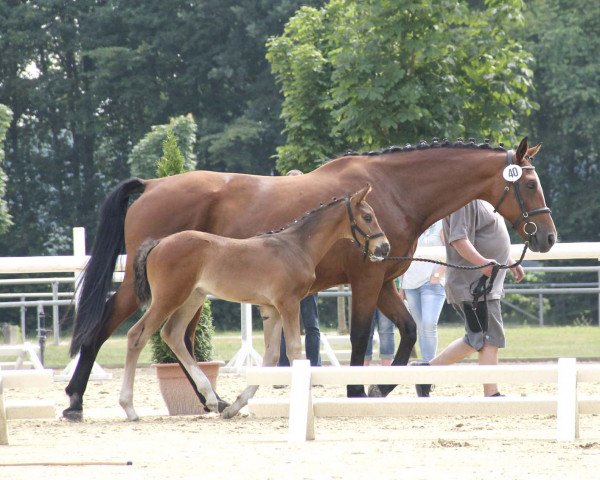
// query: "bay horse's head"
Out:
[364,225]
[525,207]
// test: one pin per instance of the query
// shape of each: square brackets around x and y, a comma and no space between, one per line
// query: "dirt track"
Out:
[209,447]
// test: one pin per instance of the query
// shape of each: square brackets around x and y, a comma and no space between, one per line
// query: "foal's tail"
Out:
[140,283]
[93,308]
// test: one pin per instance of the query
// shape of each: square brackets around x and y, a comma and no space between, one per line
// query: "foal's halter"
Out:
[525,214]
[354,228]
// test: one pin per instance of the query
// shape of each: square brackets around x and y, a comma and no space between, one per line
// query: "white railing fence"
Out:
[301,407]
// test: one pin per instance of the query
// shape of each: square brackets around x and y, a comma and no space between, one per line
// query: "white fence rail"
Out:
[302,408]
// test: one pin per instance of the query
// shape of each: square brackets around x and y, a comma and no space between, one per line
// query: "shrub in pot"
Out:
[176,390]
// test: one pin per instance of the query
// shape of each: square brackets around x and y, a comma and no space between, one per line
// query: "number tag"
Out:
[512,173]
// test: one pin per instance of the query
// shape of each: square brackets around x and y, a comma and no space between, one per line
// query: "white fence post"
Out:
[567,414]
[301,419]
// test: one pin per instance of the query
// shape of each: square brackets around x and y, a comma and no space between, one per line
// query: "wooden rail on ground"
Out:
[9,409]
[301,407]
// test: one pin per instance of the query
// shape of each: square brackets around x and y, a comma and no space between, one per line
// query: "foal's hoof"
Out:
[374,391]
[73,415]
[229,412]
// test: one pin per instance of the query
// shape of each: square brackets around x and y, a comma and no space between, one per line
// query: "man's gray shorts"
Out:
[495,331]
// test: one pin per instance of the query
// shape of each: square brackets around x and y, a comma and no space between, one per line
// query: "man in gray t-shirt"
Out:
[475,235]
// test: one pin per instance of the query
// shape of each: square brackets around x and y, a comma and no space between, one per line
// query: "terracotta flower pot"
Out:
[176,390]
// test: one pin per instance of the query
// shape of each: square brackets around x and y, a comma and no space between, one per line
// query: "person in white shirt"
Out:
[423,287]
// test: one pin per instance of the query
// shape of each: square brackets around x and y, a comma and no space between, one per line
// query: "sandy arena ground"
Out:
[208,447]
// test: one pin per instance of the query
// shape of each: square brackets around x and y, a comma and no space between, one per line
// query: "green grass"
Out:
[523,342]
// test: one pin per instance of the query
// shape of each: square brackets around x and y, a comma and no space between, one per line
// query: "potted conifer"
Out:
[176,390]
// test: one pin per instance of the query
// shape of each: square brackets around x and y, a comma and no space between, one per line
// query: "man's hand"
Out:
[518,272]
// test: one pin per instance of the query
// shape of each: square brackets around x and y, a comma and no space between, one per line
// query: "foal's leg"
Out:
[137,337]
[272,335]
[173,333]
[394,308]
[290,316]
[190,339]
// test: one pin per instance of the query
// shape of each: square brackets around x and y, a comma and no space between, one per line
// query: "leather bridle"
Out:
[354,228]
[525,214]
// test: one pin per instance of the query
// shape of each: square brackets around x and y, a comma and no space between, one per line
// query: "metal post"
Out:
[55,315]
[23,320]
[42,332]
[541,309]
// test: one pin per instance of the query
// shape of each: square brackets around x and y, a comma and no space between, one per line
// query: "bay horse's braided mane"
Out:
[422,145]
[304,217]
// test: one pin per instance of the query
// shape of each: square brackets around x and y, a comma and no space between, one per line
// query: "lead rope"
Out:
[460,267]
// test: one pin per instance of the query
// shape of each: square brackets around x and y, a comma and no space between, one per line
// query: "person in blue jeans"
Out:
[312,335]
[309,314]
[423,288]
[385,330]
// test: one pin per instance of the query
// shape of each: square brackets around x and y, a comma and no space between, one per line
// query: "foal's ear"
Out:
[362,193]
[521,150]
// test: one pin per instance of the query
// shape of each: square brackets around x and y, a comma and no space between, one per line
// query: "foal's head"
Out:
[364,226]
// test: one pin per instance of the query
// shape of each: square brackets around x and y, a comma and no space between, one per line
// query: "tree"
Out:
[562,36]
[86,80]
[364,75]
[175,140]
[5,218]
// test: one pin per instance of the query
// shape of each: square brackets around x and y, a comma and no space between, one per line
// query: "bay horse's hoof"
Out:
[73,415]
[355,391]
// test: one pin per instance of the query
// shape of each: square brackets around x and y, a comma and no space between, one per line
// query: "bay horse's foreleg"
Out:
[174,335]
[272,334]
[119,307]
[137,338]
[364,299]
[394,308]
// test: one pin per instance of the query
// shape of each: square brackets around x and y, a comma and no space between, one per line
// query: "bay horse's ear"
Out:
[521,150]
[531,152]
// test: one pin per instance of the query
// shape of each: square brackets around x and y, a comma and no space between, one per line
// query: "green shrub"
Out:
[161,353]
[171,163]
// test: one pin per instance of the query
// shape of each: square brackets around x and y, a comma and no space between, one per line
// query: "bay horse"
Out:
[414,186]
[273,270]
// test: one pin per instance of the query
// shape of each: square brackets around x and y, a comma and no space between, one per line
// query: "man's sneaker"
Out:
[423,389]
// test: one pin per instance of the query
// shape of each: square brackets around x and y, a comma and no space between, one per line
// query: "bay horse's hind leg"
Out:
[272,335]
[119,307]
[394,308]
[174,335]
[137,338]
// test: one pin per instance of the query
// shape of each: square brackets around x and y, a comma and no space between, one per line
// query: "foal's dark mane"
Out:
[306,217]
[423,145]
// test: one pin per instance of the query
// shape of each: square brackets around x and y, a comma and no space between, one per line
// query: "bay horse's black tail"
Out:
[93,309]
[140,283]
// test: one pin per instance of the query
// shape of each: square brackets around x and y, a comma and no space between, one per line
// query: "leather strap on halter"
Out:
[354,228]
[524,217]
